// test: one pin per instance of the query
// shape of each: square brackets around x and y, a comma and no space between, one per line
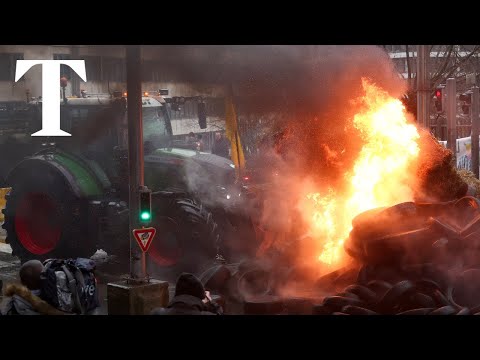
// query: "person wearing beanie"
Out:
[190,299]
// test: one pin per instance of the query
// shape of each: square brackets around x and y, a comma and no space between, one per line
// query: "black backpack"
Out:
[70,285]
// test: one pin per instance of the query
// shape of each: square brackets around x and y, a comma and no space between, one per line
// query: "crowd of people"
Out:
[220,146]
[29,296]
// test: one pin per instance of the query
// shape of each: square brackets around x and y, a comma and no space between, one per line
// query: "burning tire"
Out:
[43,216]
[187,237]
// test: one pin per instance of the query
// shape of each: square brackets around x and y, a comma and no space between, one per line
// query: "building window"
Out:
[398,48]
[216,107]
[65,70]
[113,69]
[151,71]
[93,67]
[8,64]
[401,64]
[147,70]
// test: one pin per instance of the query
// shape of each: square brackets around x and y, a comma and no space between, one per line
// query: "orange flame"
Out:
[379,175]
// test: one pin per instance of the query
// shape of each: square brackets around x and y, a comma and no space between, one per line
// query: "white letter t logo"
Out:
[51,98]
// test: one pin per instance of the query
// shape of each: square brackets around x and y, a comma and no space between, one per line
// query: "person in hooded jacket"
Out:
[24,298]
[190,299]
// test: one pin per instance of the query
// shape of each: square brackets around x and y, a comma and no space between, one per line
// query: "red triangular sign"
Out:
[144,237]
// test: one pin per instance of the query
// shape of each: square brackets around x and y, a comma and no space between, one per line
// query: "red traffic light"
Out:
[438,93]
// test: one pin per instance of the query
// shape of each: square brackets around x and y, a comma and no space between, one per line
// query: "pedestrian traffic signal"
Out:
[145,205]
[439,99]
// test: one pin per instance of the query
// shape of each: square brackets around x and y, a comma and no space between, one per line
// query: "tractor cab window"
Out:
[94,127]
[78,116]
[155,129]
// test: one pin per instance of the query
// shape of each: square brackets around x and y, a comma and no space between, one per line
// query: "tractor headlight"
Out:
[232,194]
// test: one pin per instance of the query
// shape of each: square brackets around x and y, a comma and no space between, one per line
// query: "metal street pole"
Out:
[475,130]
[451,110]
[135,147]
[75,79]
[423,87]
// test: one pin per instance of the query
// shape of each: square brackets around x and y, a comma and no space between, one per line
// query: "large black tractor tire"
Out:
[43,217]
[187,238]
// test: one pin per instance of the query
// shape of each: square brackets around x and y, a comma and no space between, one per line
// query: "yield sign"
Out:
[144,237]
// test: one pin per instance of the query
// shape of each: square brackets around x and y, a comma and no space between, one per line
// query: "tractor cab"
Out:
[93,112]
[99,127]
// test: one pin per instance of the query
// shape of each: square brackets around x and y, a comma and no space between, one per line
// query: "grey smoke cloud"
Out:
[304,75]
[308,89]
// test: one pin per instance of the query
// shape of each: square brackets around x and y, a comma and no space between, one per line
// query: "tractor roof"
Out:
[95,100]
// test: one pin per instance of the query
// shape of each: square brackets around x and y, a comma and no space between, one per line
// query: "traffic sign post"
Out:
[131,296]
[451,110]
[135,144]
[144,239]
[475,110]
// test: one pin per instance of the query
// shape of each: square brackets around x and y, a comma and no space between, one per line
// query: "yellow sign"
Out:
[231,132]
[3,192]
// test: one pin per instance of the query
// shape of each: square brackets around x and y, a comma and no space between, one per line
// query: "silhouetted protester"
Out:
[191,141]
[24,298]
[200,144]
[221,146]
[190,299]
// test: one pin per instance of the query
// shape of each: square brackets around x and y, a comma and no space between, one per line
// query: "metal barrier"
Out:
[438,128]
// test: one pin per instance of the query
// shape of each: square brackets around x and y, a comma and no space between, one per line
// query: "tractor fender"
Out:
[82,181]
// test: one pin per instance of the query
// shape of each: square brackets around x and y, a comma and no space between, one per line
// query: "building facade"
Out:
[106,73]
[440,58]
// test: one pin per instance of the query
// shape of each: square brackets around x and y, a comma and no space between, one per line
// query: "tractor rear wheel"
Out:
[43,217]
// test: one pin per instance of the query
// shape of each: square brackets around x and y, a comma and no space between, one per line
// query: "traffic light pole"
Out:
[423,91]
[475,130]
[451,110]
[138,294]
[135,149]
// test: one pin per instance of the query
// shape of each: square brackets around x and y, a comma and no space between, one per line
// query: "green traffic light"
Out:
[145,215]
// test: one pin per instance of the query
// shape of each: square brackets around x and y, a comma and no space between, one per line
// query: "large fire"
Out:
[379,175]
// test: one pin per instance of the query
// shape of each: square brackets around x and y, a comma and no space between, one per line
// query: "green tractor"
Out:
[69,195]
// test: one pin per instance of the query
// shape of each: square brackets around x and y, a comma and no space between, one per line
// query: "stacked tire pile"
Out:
[419,294]
[412,259]
[249,288]
[418,259]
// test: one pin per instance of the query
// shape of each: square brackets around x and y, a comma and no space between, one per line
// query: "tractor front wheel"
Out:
[187,238]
